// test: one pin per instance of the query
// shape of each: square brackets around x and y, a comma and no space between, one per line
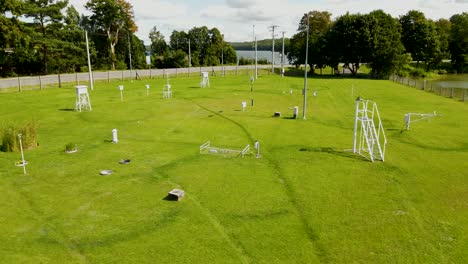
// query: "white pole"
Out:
[189,57]
[22,154]
[91,81]
[222,53]
[356,117]
[256,59]
[305,71]
[129,54]
[282,58]
[273,49]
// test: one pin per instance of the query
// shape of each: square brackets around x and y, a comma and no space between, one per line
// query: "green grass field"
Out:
[307,200]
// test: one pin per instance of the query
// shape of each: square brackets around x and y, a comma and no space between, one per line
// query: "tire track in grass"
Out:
[60,237]
[312,235]
[234,243]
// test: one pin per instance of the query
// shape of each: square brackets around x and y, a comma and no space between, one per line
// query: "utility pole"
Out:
[255,48]
[189,57]
[222,54]
[129,53]
[91,81]
[282,57]
[273,48]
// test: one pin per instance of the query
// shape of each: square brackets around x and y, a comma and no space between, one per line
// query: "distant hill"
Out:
[264,44]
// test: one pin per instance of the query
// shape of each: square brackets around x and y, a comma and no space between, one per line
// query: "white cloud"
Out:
[234,18]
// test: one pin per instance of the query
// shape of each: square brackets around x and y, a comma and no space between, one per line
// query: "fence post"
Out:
[151,77]
[108,76]
[76,78]
[40,83]
[59,80]
[122,76]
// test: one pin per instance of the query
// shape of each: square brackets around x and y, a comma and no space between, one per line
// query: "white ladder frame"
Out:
[372,140]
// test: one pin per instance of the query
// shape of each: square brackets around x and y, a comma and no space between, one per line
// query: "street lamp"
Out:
[305,71]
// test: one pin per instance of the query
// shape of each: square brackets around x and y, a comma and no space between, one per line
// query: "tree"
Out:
[459,42]
[420,38]
[13,39]
[348,41]
[319,24]
[71,54]
[384,43]
[47,21]
[111,17]
[158,44]
[443,27]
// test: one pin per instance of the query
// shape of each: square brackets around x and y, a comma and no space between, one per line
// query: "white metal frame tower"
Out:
[82,98]
[372,140]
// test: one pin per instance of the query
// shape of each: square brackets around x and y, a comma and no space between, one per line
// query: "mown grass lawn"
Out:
[307,200]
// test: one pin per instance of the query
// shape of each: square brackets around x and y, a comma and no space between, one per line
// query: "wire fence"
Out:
[451,89]
[58,80]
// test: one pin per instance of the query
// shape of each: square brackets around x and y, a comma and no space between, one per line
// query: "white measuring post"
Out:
[82,98]
[356,119]
[244,105]
[257,147]
[115,138]
[23,162]
[295,112]
[147,89]
[121,88]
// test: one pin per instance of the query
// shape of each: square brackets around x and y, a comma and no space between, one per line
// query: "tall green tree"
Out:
[47,21]
[384,43]
[71,52]
[348,41]
[158,43]
[319,24]
[111,17]
[13,39]
[443,27]
[459,42]
[419,37]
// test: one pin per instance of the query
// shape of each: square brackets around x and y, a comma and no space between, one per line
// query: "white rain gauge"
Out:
[115,138]
[147,89]
[121,88]
[205,82]
[82,98]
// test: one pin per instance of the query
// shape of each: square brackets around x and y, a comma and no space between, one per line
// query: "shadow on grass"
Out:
[170,198]
[333,151]
[67,109]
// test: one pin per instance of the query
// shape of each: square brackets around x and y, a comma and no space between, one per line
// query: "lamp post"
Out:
[305,71]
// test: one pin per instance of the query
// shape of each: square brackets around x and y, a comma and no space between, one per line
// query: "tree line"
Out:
[385,43]
[48,36]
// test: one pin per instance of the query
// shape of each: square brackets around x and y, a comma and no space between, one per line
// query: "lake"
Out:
[261,54]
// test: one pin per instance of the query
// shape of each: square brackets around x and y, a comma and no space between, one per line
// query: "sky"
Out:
[238,20]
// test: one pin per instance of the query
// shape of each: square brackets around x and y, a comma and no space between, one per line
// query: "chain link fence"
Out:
[452,89]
